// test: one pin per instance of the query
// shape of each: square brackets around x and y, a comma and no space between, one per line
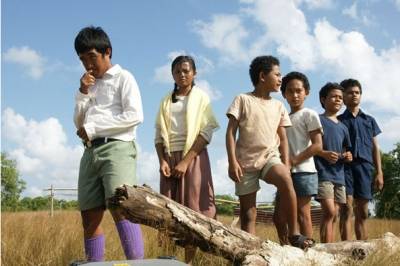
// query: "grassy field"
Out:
[33,238]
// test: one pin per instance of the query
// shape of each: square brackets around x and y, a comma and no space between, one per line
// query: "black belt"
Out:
[98,142]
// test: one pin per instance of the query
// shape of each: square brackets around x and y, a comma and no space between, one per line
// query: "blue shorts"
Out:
[359,179]
[305,184]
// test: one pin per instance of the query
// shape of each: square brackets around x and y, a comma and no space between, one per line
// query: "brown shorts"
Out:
[329,190]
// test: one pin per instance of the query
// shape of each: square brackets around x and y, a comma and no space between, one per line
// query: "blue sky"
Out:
[325,39]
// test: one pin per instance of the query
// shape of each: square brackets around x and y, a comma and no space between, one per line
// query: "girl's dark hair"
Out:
[92,38]
[295,75]
[261,63]
[330,86]
[349,83]
[179,60]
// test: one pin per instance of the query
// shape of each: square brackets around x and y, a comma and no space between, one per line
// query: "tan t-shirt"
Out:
[259,120]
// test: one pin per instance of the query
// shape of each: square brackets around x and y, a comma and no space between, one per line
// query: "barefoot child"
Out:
[330,161]
[305,141]
[184,127]
[261,121]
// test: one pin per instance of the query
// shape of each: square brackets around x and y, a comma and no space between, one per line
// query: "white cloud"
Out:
[41,151]
[391,128]
[319,4]
[322,48]
[26,164]
[348,54]
[293,37]
[162,74]
[351,11]
[204,65]
[224,33]
[397,3]
[28,58]
[223,185]
[214,94]
[148,170]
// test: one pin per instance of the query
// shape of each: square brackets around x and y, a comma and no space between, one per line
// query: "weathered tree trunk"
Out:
[145,206]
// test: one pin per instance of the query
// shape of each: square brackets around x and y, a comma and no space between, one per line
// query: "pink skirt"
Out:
[196,189]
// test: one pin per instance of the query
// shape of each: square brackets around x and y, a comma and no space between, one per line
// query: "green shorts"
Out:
[250,180]
[104,168]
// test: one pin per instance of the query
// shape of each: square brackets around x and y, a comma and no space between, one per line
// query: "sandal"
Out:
[300,241]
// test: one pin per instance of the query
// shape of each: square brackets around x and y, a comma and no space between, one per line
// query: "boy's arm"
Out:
[330,156]
[313,149]
[284,146]
[235,170]
[378,164]
[82,99]
[81,106]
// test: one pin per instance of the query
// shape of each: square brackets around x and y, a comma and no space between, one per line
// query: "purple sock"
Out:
[131,239]
[94,248]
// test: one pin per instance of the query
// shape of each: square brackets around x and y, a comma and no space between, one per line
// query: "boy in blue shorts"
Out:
[108,109]
[305,141]
[330,161]
[363,130]
[261,147]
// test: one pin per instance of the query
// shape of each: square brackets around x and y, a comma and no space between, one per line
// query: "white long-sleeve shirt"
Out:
[112,108]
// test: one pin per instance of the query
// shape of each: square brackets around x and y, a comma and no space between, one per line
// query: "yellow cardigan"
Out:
[198,115]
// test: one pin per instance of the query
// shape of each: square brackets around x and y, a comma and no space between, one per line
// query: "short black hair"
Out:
[349,83]
[263,63]
[295,75]
[90,38]
[328,87]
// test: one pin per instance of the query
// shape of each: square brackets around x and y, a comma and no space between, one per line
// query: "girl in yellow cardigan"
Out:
[184,126]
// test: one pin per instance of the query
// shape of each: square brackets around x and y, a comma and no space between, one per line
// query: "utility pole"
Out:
[52,201]
[52,191]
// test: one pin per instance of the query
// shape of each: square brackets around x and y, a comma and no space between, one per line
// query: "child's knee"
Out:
[304,216]
[363,213]
[346,211]
[329,214]
[285,183]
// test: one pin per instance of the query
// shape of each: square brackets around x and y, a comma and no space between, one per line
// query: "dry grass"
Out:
[33,238]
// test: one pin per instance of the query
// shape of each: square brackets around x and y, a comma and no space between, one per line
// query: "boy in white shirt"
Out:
[108,109]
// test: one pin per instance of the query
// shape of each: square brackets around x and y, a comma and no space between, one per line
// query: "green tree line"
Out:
[388,200]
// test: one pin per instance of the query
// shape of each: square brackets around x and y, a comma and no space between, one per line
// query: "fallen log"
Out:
[141,204]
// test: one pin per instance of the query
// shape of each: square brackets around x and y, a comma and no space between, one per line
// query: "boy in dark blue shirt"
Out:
[330,161]
[363,130]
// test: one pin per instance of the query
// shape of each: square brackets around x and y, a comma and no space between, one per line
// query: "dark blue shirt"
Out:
[335,138]
[362,129]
